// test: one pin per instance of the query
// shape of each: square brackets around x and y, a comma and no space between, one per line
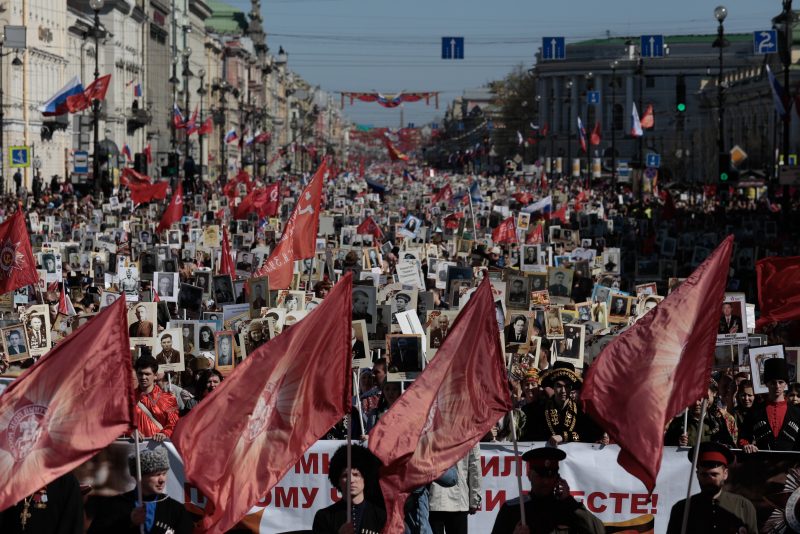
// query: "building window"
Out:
[650,82]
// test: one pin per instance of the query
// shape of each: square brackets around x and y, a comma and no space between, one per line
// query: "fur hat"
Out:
[153,461]
[775,369]
[361,459]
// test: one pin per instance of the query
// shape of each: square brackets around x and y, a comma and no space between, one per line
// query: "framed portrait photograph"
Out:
[517,292]
[611,261]
[190,298]
[107,298]
[14,343]
[223,291]
[169,350]
[255,334]
[404,354]
[620,308]
[223,350]
[359,345]
[291,301]
[364,302]
[732,328]
[759,355]
[167,285]
[554,327]
[438,326]
[141,321]
[258,294]
[516,331]
[202,279]
[791,355]
[529,258]
[571,348]
[645,303]
[559,284]
[36,320]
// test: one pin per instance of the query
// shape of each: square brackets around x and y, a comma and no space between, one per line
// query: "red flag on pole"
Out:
[451,221]
[445,193]
[95,91]
[560,214]
[287,394]
[658,367]
[298,241]
[271,207]
[72,403]
[536,237]
[17,266]
[453,403]
[778,289]
[595,138]
[129,176]
[174,211]
[141,193]
[648,119]
[148,153]
[226,261]
[65,306]
[207,127]
[506,232]
[369,226]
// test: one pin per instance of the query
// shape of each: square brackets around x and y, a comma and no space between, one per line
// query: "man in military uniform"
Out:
[558,419]
[773,425]
[549,507]
[714,509]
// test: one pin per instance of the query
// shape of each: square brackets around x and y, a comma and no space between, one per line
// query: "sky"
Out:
[392,46]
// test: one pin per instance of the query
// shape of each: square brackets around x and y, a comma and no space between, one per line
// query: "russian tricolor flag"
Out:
[137,90]
[57,105]
[231,136]
[544,205]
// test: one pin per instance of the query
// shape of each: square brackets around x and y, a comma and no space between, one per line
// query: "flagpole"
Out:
[695,454]
[472,213]
[517,469]
[358,404]
[138,474]
[685,420]
[349,462]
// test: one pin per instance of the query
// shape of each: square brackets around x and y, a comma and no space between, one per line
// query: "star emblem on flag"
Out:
[11,258]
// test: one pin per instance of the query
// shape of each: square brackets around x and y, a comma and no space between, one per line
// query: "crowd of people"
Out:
[566,280]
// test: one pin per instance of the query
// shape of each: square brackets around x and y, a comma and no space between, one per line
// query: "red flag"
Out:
[287,394]
[536,237]
[156,298]
[595,137]
[658,367]
[191,124]
[369,226]
[298,241]
[560,214]
[506,232]
[17,266]
[95,91]
[141,193]
[445,193]
[272,205]
[129,176]
[648,119]
[148,153]
[453,403]
[394,154]
[248,203]
[207,127]
[778,289]
[545,130]
[72,403]
[65,306]
[451,221]
[523,197]
[226,261]
[174,211]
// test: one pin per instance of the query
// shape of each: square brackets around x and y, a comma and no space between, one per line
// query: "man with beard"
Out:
[558,420]
[714,509]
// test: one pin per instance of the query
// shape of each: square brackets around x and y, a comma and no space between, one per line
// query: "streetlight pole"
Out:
[614,65]
[720,12]
[187,73]
[201,91]
[96,6]
[589,87]
[569,129]
[788,21]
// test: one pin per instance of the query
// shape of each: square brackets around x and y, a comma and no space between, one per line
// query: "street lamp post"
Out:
[201,91]
[187,73]
[96,6]
[614,65]
[569,128]
[720,12]
[589,76]
[16,62]
[223,88]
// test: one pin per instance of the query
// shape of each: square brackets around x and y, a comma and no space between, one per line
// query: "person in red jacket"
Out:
[156,411]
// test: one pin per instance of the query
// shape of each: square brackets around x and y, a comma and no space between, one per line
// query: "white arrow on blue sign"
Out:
[592,97]
[653,160]
[652,45]
[553,48]
[765,42]
[452,48]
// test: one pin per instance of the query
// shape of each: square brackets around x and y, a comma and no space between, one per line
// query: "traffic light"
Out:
[171,168]
[680,94]
[727,171]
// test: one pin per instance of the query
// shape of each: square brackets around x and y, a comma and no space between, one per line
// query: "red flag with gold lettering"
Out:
[174,211]
[446,411]
[243,438]
[298,241]
[506,232]
[69,405]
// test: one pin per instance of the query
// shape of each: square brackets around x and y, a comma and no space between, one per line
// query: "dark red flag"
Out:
[174,211]
[506,232]
[446,411]
[130,176]
[287,395]
[658,367]
[299,238]
[778,289]
[95,91]
[148,153]
[595,138]
[523,197]
[272,205]
[536,237]
[451,221]
[17,266]
[69,405]
[369,226]
[207,127]
[445,193]
[226,260]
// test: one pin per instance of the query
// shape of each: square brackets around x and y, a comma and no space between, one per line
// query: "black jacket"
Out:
[330,519]
[114,516]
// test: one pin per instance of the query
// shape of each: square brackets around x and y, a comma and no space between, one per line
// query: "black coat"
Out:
[114,516]
[330,519]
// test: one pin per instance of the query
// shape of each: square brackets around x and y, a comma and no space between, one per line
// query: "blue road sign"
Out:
[452,48]
[653,160]
[652,45]
[592,97]
[553,48]
[19,156]
[765,42]
[80,162]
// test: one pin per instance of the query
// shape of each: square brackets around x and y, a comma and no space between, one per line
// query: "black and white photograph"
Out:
[169,350]
[257,294]
[167,286]
[559,283]
[364,303]
[359,344]
[517,292]
[14,343]
[223,292]
[190,298]
[529,258]
[404,353]
[571,348]
[142,320]
[224,349]
[620,308]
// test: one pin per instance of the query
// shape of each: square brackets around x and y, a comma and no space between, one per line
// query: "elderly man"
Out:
[549,507]
[141,327]
[714,509]
[159,514]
